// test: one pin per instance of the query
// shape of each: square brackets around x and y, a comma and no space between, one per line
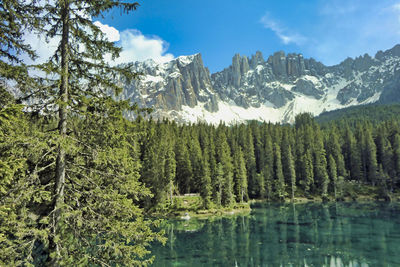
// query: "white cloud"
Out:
[111,33]
[283,34]
[138,47]
[135,46]
[396,6]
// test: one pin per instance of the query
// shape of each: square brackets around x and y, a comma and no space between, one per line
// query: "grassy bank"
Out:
[352,192]
[191,206]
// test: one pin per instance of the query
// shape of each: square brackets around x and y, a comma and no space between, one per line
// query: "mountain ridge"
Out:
[253,88]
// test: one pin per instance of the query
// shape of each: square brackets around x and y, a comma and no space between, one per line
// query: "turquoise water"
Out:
[344,234]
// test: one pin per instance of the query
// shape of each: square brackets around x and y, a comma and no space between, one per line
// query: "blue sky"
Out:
[327,30]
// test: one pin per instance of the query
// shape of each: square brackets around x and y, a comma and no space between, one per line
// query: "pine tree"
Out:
[240,178]
[292,173]
[218,184]
[396,156]
[383,180]
[170,170]
[385,154]
[299,153]
[224,158]
[332,170]
[205,182]
[258,146]
[285,145]
[96,170]
[268,170]
[23,158]
[211,155]
[183,167]
[361,148]
[23,154]
[307,172]
[279,181]
[248,152]
[195,157]
[372,165]
[352,155]
[289,171]
[334,149]
[153,174]
[320,164]
[304,120]
[206,171]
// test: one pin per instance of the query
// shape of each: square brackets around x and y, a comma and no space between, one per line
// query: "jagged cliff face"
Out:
[170,86]
[274,90]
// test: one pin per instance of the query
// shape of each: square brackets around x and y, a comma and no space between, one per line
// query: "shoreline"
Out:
[190,208]
[244,209]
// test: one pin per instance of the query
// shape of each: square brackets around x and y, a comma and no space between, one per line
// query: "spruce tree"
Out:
[361,148]
[223,154]
[334,149]
[24,157]
[23,154]
[170,171]
[288,164]
[218,184]
[332,170]
[371,162]
[184,170]
[352,155]
[320,164]
[152,173]
[240,178]
[279,180]
[205,182]
[248,152]
[291,173]
[258,146]
[383,179]
[96,169]
[307,172]
[385,153]
[195,157]
[396,156]
[268,170]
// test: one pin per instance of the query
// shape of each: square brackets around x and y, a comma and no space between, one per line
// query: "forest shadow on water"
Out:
[312,234]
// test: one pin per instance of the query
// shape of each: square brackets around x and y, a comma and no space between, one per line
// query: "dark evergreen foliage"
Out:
[271,161]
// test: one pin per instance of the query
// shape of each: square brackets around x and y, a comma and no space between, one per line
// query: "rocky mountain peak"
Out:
[272,90]
[256,60]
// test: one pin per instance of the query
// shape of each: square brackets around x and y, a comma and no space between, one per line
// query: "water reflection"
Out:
[288,235]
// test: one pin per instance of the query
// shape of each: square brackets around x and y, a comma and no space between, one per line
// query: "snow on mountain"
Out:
[272,90]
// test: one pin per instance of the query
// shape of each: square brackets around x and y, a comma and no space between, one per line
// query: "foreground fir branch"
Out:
[69,196]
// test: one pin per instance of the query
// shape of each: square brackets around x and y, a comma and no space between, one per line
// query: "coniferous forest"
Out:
[232,164]
[77,179]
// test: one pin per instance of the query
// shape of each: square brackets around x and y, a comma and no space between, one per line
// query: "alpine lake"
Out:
[311,234]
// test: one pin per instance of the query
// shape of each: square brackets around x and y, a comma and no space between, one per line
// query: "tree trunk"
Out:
[171,185]
[62,129]
[292,196]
